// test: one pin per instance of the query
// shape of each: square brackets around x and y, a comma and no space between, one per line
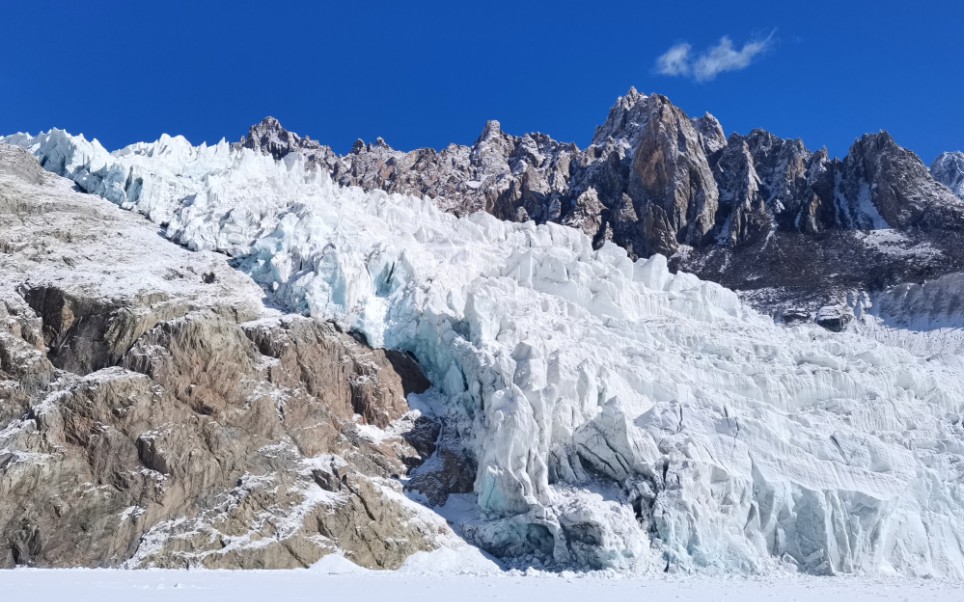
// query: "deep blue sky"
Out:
[430,73]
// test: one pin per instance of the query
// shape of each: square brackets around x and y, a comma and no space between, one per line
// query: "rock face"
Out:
[757,213]
[153,413]
[670,183]
[948,169]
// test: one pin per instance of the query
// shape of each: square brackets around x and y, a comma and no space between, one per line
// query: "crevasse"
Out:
[622,416]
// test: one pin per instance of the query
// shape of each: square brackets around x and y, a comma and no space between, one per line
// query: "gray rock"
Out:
[833,318]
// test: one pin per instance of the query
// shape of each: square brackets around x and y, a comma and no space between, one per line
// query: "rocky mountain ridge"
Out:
[793,229]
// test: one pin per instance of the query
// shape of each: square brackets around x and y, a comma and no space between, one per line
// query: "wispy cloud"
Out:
[679,59]
[675,61]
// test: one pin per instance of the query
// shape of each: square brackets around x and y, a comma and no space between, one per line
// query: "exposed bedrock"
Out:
[200,446]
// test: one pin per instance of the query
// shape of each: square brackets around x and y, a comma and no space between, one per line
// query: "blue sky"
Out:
[430,73]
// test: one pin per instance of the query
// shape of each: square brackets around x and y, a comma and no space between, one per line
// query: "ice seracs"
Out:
[621,415]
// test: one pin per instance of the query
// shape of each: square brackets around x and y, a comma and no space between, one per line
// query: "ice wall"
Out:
[622,416]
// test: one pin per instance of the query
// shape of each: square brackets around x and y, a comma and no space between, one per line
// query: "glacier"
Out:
[622,416]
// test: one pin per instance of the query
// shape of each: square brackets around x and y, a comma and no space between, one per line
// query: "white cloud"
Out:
[677,61]
[723,57]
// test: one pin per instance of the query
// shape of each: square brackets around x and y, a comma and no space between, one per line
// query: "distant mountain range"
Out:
[793,229]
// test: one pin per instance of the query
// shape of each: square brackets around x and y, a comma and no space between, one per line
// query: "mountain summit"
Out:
[655,180]
[268,136]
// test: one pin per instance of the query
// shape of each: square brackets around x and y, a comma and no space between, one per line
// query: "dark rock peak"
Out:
[899,185]
[270,137]
[874,143]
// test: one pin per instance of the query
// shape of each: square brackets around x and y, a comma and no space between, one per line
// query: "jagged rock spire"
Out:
[625,119]
[269,136]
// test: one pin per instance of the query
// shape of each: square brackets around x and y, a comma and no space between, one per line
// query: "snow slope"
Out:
[622,416]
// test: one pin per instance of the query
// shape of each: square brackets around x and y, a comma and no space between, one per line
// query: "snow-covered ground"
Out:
[622,416]
[294,586]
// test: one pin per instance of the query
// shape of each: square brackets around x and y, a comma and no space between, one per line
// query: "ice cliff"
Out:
[621,415]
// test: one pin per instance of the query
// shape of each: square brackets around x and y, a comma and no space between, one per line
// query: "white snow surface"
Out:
[342,583]
[623,417]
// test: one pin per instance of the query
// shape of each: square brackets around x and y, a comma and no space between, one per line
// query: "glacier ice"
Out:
[622,416]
